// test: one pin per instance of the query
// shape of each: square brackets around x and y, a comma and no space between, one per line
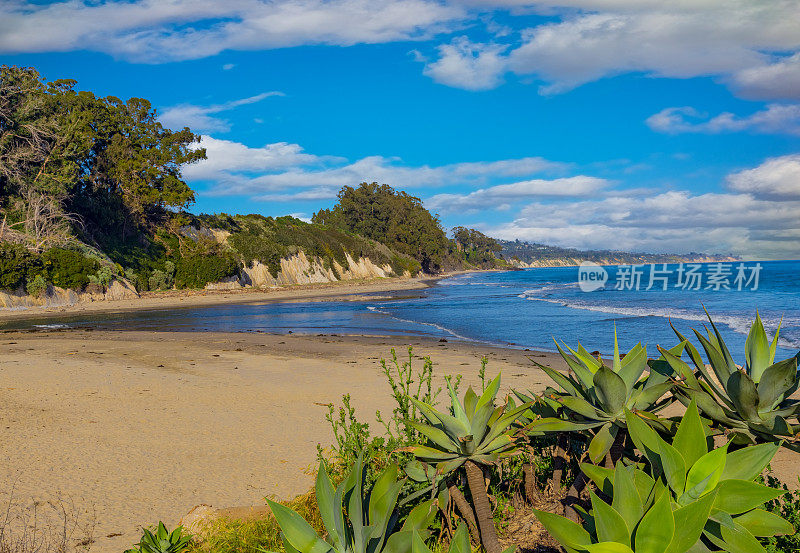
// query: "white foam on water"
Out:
[53,326]
[434,325]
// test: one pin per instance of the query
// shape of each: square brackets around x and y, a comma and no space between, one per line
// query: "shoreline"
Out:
[348,290]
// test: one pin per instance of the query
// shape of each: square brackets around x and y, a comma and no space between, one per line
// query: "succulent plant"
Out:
[162,541]
[477,433]
[356,521]
[693,498]
[595,399]
[458,544]
[750,403]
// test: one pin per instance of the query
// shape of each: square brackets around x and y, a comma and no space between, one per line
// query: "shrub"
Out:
[37,286]
[15,264]
[67,268]
[196,271]
[162,541]
[159,280]
[105,275]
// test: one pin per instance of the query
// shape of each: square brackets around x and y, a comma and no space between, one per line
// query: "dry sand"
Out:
[140,427]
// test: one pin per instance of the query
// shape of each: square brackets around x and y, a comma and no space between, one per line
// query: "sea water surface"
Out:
[526,309]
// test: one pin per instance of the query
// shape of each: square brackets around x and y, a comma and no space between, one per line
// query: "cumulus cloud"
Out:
[674,221]
[463,64]
[503,195]
[201,118]
[283,171]
[775,119]
[739,41]
[156,31]
[776,178]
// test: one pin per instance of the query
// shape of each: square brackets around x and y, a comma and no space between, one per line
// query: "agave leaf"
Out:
[487,398]
[645,485]
[689,522]
[560,425]
[587,358]
[748,462]
[566,383]
[744,394]
[690,439]
[680,367]
[602,477]
[384,494]
[297,531]
[602,441]
[470,402]
[756,350]
[435,455]
[608,523]
[737,496]
[564,530]
[580,370]
[645,438]
[762,523]
[421,516]
[648,396]
[708,405]
[704,475]
[655,531]
[329,510]
[718,363]
[732,537]
[454,427]
[460,541]
[721,344]
[607,547]
[434,434]
[611,390]
[776,380]
[582,407]
[458,409]
[446,467]
[674,467]
[625,498]
[773,346]
[633,366]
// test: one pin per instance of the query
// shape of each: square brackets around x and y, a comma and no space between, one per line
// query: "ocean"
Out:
[527,308]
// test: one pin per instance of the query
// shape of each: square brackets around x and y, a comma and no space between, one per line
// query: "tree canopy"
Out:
[73,163]
[393,217]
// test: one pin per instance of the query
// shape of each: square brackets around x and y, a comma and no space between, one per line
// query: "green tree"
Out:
[390,216]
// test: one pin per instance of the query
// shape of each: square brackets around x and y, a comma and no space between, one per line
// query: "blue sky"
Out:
[615,124]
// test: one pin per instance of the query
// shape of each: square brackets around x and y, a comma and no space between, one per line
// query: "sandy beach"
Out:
[129,428]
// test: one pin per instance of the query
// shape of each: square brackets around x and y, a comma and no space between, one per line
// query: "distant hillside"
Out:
[531,254]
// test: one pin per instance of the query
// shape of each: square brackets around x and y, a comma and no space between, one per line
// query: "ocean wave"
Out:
[434,325]
[53,326]
[738,324]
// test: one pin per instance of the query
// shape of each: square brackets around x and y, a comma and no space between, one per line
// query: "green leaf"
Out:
[732,537]
[744,395]
[329,511]
[581,371]
[716,359]
[602,477]
[426,453]
[674,467]
[436,435]
[625,498]
[756,349]
[748,462]
[608,547]
[611,390]
[565,531]
[602,441]
[460,542]
[582,407]
[559,425]
[566,383]
[417,545]
[421,516]
[773,346]
[737,496]
[775,382]
[762,523]
[704,475]
[297,531]
[608,523]
[458,409]
[690,439]
[633,366]
[645,438]
[470,402]
[656,529]
[689,523]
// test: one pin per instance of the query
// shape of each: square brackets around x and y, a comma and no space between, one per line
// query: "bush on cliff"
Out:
[195,271]
[16,266]
[67,268]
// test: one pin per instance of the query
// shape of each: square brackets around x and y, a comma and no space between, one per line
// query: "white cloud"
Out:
[503,195]
[228,66]
[463,64]
[739,41]
[776,178]
[200,118]
[675,221]
[283,171]
[775,119]
[156,31]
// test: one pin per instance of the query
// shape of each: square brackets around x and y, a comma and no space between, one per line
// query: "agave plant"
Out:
[477,433]
[459,543]
[750,403]
[162,541]
[356,521]
[693,498]
[595,399]
[690,468]
[639,519]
